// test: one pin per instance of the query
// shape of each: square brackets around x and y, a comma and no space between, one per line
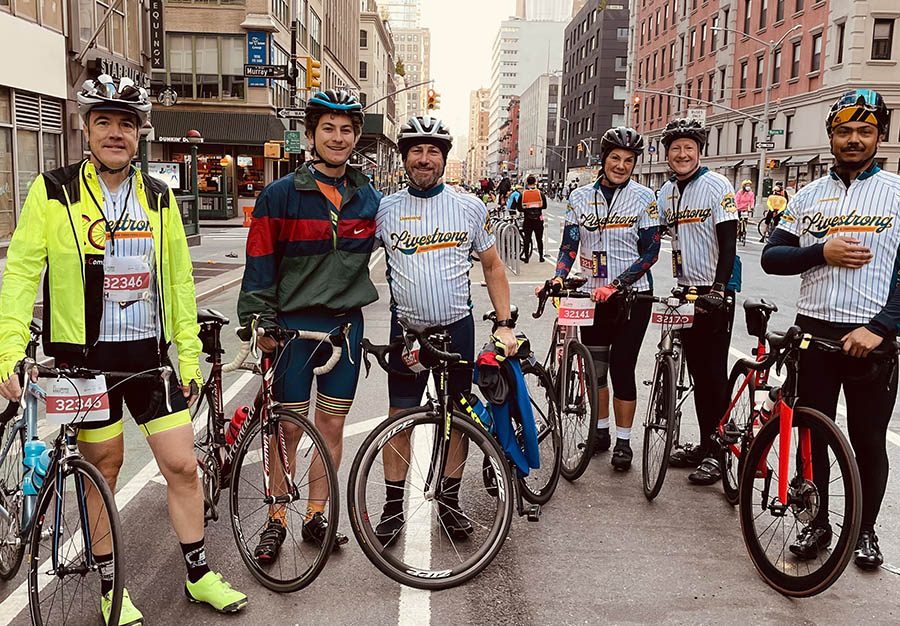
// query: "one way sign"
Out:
[291,114]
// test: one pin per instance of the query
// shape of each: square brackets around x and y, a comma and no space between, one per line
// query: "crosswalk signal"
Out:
[433,100]
[313,73]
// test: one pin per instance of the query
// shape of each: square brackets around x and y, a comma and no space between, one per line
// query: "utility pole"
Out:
[292,78]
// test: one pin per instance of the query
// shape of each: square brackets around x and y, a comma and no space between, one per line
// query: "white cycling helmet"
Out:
[103,94]
[418,130]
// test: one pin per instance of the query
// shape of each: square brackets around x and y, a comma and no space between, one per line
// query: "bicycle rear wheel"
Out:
[833,496]
[300,559]
[659,427]
[64,577]
[578,409]
[428,553]
[739,431]
[12,544]
[204,447]
[539,485]
[762,229]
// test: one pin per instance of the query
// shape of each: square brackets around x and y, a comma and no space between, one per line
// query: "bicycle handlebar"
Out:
[569,289]
[422,334]
[334,339]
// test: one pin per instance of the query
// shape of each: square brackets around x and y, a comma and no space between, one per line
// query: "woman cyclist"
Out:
[615,223]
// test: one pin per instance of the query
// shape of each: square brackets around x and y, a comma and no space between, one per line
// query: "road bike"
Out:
[49,516]
[798,471]
[571,369]
[455,514]
[276,456]
[742,231]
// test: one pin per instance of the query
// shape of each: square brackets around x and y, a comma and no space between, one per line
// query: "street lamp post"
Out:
[771,47]
[566,151]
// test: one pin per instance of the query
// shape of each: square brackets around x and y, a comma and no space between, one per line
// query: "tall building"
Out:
[341,60]
[593,85]
[835,45]
[402,13]
[537,130]
[413,48]
[522,51]
[479,124]
[549,10]
[509,139]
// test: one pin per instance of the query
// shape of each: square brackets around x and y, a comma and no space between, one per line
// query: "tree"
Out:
[400,70]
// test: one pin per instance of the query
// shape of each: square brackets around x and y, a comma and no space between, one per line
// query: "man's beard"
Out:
[424,179]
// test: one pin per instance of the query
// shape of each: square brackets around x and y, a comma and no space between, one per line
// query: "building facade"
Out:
[509,139]
[551,10]
[413,48]
[593,84]
[403,13]
[827,47]
[341,51]
[479,122]
[537,131]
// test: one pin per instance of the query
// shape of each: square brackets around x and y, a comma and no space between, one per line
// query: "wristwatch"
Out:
[505,324]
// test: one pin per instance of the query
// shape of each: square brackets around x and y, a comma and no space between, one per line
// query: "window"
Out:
[779,10]
[840,43]
[816,61]
[681,57]
[666,16]
[700,88]
[363,70]
[672,57]
[233,53]
[788,131]
[687,91]
[743,86]
[655,55]
[709,93]
[363,38]
[693,45]
[748,7]
[776,67]
[725,32]
[763,13]
[281,10]
[207,66]
[718,139]
[619,92]
[315,34]
[754,127]
[799,6]
[738,137]
[621,64]
[882,34]
[760,63]
[703,39]
[712,33]
[280,92]
[795,59]
[722,83]
[363,98]
[622,34]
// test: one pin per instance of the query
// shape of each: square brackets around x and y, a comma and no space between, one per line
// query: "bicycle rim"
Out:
[70,593]
[425,553]
[539,485]
[578,410]
[299,561]
[769,530]
[12,544]
[659,428]
[740,422]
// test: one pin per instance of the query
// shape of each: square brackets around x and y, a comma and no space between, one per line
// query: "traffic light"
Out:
[579,149]
[531,151]
[636,105]
[313,73]
[433,100]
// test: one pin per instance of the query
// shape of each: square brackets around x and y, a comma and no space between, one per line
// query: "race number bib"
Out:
[77,400]
[671,318]
[576,312]
[410,358]
[126,278]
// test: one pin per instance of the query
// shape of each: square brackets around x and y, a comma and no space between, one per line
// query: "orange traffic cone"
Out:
[248,211]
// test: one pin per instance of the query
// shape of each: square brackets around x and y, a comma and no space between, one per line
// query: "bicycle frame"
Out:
[760,379]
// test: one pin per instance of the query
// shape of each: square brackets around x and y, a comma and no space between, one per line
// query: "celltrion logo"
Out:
[407,243]
[591,222]
[821,225]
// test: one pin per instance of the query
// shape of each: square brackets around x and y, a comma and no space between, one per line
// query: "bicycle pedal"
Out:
[647,383]
[533,512]
[730,434]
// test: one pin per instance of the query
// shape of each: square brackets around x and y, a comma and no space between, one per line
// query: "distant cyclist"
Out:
[745,199]
[503,189]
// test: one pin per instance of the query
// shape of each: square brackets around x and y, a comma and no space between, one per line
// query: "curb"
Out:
[222,283]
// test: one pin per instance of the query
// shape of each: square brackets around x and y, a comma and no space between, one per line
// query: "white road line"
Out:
[415,604]
[376,258]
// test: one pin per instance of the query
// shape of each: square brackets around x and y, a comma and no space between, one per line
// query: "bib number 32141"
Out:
[576,312]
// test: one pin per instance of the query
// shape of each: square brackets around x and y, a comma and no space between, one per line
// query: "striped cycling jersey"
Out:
[132,238]
[867,210]
[691,218]
[612,227]
[428,238]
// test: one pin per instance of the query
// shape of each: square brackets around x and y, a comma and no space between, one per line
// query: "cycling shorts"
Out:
[145,399]
[405,392]
[295,362]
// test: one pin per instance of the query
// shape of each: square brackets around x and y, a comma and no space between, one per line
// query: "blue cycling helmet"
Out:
[331,101]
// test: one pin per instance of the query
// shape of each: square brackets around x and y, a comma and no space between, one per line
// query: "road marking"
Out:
[415,604]
[376,258]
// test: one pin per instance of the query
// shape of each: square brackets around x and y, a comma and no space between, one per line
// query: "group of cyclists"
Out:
[308,250]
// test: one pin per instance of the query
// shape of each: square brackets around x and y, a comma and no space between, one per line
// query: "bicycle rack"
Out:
[509,244]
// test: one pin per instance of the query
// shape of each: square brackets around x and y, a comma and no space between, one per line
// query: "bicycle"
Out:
[797,450]
[430,446]
[264,478]
[50,516]
[742,230]
[571,368]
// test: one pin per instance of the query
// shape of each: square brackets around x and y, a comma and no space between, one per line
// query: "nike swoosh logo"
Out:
[356,232]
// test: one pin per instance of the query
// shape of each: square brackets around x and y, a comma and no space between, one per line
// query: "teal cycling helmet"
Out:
[337,102]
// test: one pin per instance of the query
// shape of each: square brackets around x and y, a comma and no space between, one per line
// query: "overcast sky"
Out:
[462,35]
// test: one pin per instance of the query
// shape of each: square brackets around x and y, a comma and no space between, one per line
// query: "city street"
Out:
[600,553]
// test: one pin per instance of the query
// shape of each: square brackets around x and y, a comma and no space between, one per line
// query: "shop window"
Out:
[52,14]
[7,200]
[205,66]
[27,9]
[233,50]
[27,161]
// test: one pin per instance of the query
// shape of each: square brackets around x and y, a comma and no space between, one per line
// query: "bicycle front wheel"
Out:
[833,497]
[578,409]
[762,229]
[68,558]
[12,545]
[255,505]
[539,485]
[738,430]
[659,427]
[431,548]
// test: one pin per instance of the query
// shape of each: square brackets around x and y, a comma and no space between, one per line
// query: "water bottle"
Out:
[237,422]
[477,410]
[768,403]
[36,462]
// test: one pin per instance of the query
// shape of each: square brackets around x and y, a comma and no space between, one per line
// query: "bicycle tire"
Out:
[847,530]
[540,484]
[741,414]
[203,447]
[41,542]
[249,512]
[366,496]
[12,474]
[659,427]
[761,228]
[577,410]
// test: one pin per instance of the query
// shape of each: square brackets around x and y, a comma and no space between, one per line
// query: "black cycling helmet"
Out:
[859,105]
[418,130]
[621,137]
[683,128]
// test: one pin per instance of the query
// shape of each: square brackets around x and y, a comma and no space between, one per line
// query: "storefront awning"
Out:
[799,160]
[737,165]
[249,129]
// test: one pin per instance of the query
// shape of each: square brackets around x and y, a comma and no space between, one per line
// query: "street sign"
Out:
[765,145]
[291,114]
[697,114]
[775,131]
[265,71]
[293,141]
[652,149]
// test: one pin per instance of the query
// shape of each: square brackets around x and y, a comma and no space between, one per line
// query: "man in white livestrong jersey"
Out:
[841,233]
[429,233]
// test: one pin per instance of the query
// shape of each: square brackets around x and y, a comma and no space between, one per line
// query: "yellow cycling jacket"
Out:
[52,233]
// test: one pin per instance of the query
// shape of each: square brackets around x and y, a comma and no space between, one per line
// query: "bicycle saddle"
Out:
[205,316]
[759,304]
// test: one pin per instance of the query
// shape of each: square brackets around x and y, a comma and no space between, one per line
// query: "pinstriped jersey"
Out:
[691,218]
[612,228]
[428,243]
[867,210]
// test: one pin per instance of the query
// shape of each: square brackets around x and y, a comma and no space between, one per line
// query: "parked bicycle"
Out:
[273,458]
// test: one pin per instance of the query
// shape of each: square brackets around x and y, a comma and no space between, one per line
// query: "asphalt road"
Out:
[601,554]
